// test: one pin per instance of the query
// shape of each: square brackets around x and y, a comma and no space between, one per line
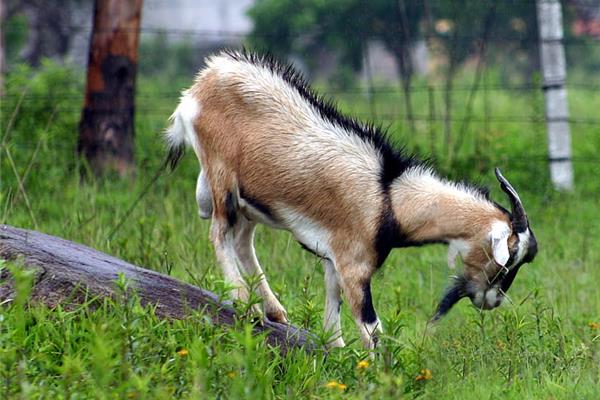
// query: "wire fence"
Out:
[71,103]
[212,33]
[372,96]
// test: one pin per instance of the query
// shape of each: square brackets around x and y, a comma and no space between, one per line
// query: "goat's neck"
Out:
[429,209]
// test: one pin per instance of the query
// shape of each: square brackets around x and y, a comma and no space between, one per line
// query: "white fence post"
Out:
[552,56]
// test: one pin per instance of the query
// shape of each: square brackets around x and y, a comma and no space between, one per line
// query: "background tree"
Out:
[344,26]
[505,32]
[2,51]
[460,27]
[106,129]
[51,25]
[397,24]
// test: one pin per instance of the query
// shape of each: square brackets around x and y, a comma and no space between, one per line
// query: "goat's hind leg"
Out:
[333,302]
[244,244]
[204,196]
[225,219]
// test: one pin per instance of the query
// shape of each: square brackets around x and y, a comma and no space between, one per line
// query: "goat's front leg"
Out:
[333,301]
[356,283]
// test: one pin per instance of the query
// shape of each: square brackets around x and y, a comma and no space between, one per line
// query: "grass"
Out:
[544,344]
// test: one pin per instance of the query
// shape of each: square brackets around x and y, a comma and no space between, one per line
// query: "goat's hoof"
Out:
[277,316]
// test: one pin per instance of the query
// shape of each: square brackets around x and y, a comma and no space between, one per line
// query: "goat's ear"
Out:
[499,237]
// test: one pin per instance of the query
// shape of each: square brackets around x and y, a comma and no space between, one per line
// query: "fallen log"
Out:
[68,271]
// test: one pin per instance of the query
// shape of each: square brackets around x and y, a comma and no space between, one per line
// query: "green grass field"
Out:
[543,344]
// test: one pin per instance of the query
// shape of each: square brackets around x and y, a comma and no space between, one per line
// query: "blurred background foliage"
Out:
[464,77]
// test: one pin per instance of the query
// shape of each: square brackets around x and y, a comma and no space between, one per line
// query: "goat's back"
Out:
[258,126]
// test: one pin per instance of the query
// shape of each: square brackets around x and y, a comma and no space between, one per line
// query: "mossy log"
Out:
[71,272]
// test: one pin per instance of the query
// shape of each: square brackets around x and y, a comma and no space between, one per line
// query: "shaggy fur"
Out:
[274,152]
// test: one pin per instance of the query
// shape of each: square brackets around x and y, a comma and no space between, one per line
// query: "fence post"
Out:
[552,57]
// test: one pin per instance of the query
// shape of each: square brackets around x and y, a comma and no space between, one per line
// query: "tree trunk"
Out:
[69,273]
[404,60]
[405,64]
[448,109]
[2,48]
[106,129]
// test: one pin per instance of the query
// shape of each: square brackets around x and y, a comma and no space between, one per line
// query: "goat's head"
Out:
[493,259]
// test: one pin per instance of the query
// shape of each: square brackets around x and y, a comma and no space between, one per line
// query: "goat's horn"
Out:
[518,217]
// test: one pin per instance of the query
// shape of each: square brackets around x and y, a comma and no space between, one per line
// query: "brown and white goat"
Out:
[273,152]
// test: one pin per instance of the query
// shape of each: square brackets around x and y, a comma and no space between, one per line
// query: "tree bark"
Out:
[2,48]
[68,273]
[405,64]
[106,129]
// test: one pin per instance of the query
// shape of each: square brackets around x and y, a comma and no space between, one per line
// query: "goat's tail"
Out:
[181,132]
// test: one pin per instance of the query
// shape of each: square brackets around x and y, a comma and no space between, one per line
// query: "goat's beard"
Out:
[453,294]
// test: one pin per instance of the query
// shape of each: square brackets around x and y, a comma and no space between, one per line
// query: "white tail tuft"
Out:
[181,131]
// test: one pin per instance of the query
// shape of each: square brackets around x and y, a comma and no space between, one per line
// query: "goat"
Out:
[273,152]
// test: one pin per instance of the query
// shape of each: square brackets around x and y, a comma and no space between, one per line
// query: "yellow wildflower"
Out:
[594,325]
[443,26]
[425,375]
[231,374]
[183,352]
[335,385]
[364,364]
